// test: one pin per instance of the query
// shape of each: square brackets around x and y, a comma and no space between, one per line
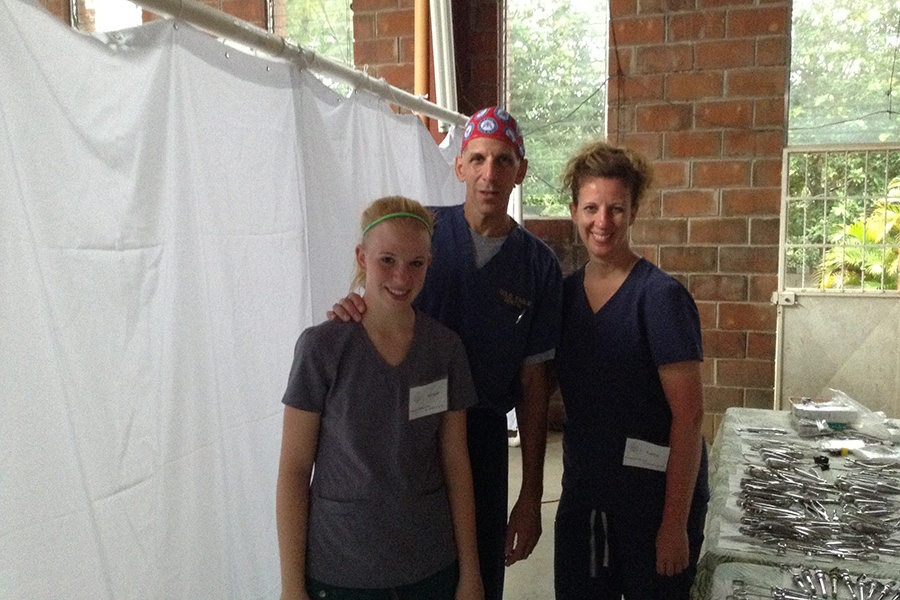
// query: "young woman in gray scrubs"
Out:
[374,497]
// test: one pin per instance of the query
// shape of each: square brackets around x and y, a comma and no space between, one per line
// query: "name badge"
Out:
[428,399]
[645,455]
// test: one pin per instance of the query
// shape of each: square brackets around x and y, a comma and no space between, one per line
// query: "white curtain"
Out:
[173,212]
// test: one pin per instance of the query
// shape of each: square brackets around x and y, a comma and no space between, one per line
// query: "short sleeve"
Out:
[672,324]
[461,388]
[545,330]
[311,374]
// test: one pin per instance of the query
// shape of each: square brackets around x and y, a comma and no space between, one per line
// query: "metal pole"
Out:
[422,71]
[444,56]
[224,25]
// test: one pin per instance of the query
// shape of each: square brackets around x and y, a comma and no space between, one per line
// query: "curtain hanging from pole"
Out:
[173,212]
[231,28]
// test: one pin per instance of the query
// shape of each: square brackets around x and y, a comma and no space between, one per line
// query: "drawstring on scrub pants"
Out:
[593,542]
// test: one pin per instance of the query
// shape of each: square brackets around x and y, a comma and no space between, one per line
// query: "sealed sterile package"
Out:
[873,424]
[811,427]
[834,411]
[877,454]
[839,444]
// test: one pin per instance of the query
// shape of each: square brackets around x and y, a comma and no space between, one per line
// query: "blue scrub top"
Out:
[504,312]
[607,365]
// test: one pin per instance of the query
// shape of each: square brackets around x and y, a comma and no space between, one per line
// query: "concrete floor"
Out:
[532,579]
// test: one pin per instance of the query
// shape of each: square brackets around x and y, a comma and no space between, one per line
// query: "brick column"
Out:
[384,40]
[699,86]
[476,31]
[252,11]
[383,33]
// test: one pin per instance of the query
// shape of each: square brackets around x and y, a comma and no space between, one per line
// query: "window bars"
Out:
[841,219]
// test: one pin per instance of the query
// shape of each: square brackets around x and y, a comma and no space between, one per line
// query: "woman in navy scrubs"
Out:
[631,516]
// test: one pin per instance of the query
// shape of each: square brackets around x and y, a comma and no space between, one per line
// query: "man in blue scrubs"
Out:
[498,287]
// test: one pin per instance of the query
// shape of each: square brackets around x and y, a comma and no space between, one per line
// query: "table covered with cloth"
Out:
[736,447]
[745,581]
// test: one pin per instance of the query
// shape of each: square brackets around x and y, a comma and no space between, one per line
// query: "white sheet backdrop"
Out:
[172,214]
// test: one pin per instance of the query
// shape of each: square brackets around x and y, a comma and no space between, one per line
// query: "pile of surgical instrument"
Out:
[812,583]
[788,507]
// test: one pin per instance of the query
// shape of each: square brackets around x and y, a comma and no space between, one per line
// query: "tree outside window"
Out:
[556,87]
[325,27]
[845,72]
[843,196]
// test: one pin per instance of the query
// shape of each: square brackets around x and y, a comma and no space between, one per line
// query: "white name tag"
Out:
[428,399]
[645,455]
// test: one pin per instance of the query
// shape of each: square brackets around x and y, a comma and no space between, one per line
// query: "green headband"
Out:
[394,216]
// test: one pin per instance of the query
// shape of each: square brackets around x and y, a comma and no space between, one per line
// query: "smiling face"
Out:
[603,215]
[490,169]
[394,256]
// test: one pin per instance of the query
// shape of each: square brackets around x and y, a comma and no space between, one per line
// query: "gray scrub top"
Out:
[378,514]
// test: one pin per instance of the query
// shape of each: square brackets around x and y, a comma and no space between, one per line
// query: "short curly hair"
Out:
[601,159]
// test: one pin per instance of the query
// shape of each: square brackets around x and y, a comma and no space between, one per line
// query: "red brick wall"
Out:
[253,11]
[384,41]
[384,44]
[476,25]
[701,91]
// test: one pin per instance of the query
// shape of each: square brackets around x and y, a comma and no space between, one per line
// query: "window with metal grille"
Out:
[841,215]
[841,202]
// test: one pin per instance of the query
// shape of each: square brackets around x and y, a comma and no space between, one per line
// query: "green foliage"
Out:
[828,188]
[865,253]
[323,26]
[557,89]
[844,72]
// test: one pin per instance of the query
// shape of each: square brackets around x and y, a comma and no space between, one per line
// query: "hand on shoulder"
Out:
[348,308]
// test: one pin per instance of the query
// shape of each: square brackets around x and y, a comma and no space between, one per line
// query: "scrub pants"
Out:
[603,555]
[440,586]
[489,455]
